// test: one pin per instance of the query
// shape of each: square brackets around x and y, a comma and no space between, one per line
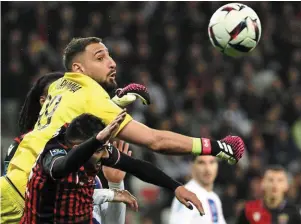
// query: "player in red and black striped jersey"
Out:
[61,184]
[273,208]
[60,189]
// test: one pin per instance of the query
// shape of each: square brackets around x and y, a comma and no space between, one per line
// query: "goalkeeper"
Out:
[84,89]
[12,202]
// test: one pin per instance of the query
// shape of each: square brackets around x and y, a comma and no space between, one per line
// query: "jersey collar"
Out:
[279,208]
[84,80]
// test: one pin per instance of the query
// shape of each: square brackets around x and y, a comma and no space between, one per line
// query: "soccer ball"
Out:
[234,29]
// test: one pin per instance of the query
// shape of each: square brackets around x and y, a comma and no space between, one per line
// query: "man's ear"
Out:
[74,146]
[42,100]
[77,67]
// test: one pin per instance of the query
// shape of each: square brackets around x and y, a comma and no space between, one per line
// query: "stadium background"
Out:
[195,90]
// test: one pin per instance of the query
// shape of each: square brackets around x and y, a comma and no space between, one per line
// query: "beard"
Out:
[110,87]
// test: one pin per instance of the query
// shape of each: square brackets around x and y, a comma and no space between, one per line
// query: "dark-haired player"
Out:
[273,208]
[84,89]
[12,201]
[67,175]
[30,110]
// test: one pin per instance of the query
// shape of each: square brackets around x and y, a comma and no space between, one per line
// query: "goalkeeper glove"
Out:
[130,93]
[230,148]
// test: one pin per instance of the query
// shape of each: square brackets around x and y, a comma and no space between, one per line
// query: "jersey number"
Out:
[51,105]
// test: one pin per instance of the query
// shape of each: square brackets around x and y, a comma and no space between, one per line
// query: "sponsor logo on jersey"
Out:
[256,216]
[56,152]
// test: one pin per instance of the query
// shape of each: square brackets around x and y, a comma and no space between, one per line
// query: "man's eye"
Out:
[100,59]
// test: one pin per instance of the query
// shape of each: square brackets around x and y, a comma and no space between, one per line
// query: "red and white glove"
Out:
[127,95]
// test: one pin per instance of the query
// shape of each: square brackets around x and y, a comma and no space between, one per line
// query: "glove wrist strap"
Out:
[205,146]
[196,146]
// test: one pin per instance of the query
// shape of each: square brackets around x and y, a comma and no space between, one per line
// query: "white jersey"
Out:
[105,212]
[211,203]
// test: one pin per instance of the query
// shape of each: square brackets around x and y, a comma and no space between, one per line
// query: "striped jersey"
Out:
[67,200]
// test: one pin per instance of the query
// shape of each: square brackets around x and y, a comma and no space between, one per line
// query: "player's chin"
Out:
[114,83]
[110,85]
[208,181]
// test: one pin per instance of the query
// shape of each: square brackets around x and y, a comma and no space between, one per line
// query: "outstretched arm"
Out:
[147,172]
[139,168]
[157,140]
[230,148]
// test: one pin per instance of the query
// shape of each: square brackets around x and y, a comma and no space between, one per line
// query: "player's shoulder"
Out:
[292,212]
[190,185]
[14,145]
[194,186]
[294,208]
[56,144]
[253,204]
[87,83]
[78,86]
[50,153]
[57,140]
[57,151]
[215,196]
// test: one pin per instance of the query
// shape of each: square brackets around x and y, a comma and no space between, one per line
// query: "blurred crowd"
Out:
[195,90]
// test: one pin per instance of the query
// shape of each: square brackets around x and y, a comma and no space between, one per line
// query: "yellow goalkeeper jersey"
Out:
[68,97]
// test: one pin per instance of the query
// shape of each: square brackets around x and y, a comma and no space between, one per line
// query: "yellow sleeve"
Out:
[106,110]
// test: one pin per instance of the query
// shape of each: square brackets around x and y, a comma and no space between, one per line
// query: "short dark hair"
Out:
[76,46]
[194,158]
[83,127]
[31,107]
[275,167]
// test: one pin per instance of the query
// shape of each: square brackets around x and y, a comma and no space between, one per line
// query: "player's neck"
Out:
[207,187]
[273,203]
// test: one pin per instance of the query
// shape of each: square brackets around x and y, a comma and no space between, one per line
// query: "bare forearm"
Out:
[168,142]
[157,140]
[230,148]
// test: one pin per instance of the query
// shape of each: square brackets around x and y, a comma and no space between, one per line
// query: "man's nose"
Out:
[112,64]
